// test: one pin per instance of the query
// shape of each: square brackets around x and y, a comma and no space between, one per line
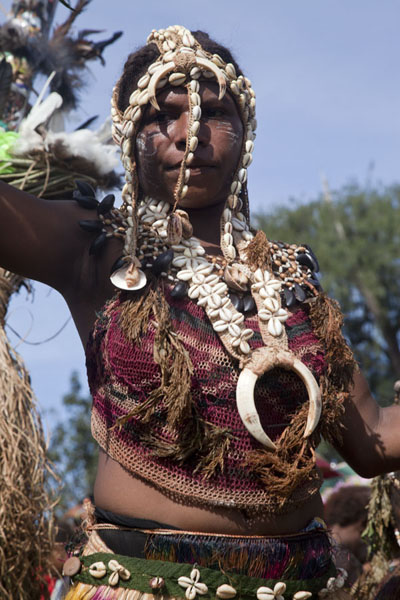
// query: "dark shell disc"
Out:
[162,262]
[89,225]
[248,303]
[306,260]
[98,243]
[313,257]
[290,298]
[85,188]
[85,201]
[180,290]
[106,204]
[237,302]
[299,293]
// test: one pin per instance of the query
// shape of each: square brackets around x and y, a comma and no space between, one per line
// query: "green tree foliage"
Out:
[355,234]
[72,448]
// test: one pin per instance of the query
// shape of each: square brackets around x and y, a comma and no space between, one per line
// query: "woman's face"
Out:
[161,143]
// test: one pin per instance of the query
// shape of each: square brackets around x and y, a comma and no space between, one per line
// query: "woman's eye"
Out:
[214,113]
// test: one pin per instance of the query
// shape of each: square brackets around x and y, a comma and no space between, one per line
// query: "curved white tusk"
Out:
[247,409]
[265,361]
[210,66]
[314,394]
[158,74]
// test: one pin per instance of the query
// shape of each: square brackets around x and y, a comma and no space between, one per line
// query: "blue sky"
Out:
[328,104]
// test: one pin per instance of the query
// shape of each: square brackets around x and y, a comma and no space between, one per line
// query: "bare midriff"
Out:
[118,491]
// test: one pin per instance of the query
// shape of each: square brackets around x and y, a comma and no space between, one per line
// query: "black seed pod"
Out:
[89,225]
[290,299]
[162,262]
[237,302]
[315,282]
[248,303]
[306,260]
[85,201]
[299,293]
[85,188]
[120,262]
[180,290]
[313,257]
[106,204]
[98,243]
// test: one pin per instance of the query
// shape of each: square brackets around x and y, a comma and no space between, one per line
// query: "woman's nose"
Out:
[180,130]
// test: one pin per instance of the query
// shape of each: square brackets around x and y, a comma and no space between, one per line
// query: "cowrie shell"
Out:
[143,81]
[136,114]
[194,142]
[230,70]
[231,252]
[196,112]
[195,73]
[280,588]
[226,592]
[302,595]
[143,98]
[247,158]
[275,327]
[177,78]
[226,314]
[133,98]
[271,304]
[194,86]
[195,99]
[97,570]
[185,275]
[244,347]
[234,330]
[249,146]
[228,239]
[265,593]
[236,187]
[220,287]
[220,326]
[195,127]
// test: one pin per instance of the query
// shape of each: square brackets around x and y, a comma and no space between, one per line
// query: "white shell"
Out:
[226,592]
[265,593]
[275,327]
[114,578]
[190,593]
[185,581]
[118,279]
[302,595]
[280,588]
[97,570]
[201,588]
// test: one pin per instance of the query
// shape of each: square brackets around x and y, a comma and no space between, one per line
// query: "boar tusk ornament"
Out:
[263,360]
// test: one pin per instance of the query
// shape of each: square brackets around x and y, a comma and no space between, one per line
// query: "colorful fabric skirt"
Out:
[128,563]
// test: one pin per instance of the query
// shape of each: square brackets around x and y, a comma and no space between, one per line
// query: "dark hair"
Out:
[138,62]
[348,505]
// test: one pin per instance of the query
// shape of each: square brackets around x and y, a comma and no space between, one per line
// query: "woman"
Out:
[210,366]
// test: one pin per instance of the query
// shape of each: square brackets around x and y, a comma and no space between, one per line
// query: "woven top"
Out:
[122,374]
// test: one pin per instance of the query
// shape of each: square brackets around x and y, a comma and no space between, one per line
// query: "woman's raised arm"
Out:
[40,239]
[371,434]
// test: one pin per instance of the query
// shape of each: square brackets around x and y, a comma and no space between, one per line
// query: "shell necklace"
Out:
[208,289]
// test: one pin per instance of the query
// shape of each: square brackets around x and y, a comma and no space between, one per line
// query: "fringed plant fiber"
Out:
[26,526]
[190,433]
[327,321]
[82,591]
[258,252]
